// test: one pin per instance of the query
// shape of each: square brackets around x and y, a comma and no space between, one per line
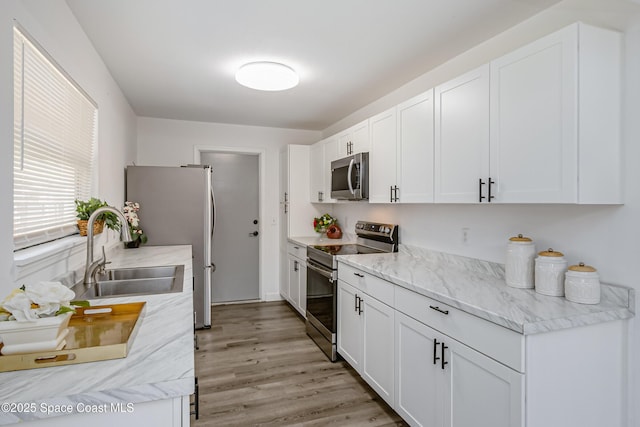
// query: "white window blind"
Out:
[55,126]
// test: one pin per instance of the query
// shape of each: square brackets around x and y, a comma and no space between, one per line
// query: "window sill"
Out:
[34,254]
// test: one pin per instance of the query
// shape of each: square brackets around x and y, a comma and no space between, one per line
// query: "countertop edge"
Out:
[181,384]
[525,328]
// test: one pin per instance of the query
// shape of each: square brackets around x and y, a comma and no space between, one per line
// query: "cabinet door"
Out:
[382,157]
[349,326]
[378,347]
[360,137]
[300,211]
[415,149]
[284,274]
[462,137]
[482,391]
[302,306]
[317,190]
[330,154]
[284,198]
[417,377]
[354,140]
[533,121]
[294,281]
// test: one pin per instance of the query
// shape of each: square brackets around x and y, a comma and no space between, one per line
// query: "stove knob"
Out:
[381,229]
[387,230]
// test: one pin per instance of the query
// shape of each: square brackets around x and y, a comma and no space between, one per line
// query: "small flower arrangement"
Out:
[321,224]
[44,299]
[130,211]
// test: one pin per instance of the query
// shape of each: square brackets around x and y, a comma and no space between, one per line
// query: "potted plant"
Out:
[130,211]
[84,209]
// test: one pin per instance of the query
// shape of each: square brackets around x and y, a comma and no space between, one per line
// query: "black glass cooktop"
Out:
[349,249]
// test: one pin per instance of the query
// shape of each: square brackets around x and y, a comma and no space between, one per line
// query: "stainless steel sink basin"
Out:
[138,273]
[120,282]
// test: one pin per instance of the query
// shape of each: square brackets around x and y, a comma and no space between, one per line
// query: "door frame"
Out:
[261,153]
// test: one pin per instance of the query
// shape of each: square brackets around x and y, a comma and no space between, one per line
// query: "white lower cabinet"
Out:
[442,382]
[419,398]
[349,326]
[478,391]
[378,351]
[296,278]
[365,338]
[437,365]
[426,375]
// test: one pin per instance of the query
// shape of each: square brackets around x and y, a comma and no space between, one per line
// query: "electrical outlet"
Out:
[465,235]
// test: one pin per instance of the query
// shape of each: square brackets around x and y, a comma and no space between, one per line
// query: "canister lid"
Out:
[520,238]
[551,253]
[582,268]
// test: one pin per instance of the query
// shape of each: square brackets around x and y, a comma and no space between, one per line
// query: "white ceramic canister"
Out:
[521,252]
[549,273]
[582,284]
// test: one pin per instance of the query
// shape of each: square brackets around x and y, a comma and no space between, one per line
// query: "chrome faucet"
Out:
[125,235]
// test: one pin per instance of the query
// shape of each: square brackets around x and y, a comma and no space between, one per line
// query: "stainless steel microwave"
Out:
[350,177]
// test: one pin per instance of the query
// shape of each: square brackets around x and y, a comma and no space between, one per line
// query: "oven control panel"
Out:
[377,231]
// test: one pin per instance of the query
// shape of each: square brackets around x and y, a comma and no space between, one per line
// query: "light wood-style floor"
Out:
[256,366]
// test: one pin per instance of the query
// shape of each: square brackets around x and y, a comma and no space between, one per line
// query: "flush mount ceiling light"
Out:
[270,76]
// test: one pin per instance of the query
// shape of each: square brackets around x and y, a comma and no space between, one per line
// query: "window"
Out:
[55,126]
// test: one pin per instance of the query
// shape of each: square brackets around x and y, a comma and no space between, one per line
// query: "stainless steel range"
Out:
[322,279]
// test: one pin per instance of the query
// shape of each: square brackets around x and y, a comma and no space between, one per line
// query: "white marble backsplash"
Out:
[478,287]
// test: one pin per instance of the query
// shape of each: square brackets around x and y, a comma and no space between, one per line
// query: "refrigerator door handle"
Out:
[207,295]
[213,214]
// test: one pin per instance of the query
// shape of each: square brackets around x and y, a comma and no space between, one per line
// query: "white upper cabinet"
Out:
[462,138]
[318,190]
[382,157]
[354,140]
[401,156]
[321,154]
[555,119]
[415,149]
[538,125]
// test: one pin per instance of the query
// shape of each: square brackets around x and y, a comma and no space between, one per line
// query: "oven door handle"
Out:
[323,272]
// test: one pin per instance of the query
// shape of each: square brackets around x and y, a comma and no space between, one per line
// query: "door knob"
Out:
[254,234]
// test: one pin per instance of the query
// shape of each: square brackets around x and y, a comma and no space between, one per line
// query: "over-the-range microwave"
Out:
[350,177]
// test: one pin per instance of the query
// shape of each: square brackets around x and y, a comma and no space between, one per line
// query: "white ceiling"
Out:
[176,59]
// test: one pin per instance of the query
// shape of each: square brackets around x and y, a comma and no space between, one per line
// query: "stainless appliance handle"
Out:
[349,177]
[213,216]
[322,271]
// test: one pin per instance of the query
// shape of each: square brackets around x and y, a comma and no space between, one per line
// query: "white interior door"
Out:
[237,227]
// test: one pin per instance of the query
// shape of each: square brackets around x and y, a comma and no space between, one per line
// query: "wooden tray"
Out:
[101,332]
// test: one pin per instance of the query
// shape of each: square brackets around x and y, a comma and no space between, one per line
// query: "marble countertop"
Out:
[478,287]
[160,363]
[322,240]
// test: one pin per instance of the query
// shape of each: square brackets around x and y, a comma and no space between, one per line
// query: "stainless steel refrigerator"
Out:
[177,208]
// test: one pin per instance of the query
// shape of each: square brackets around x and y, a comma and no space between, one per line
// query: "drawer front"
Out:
[371,285]
[297,250]
[497,342]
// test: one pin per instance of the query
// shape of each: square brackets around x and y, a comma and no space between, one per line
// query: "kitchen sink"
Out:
[119,282]
[138,273]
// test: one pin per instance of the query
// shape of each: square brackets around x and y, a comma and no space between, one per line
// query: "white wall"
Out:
[603,236]
[171,143]
[55,28]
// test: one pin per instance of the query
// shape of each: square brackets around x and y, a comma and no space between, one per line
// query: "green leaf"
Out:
[81,303]
[64,309]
